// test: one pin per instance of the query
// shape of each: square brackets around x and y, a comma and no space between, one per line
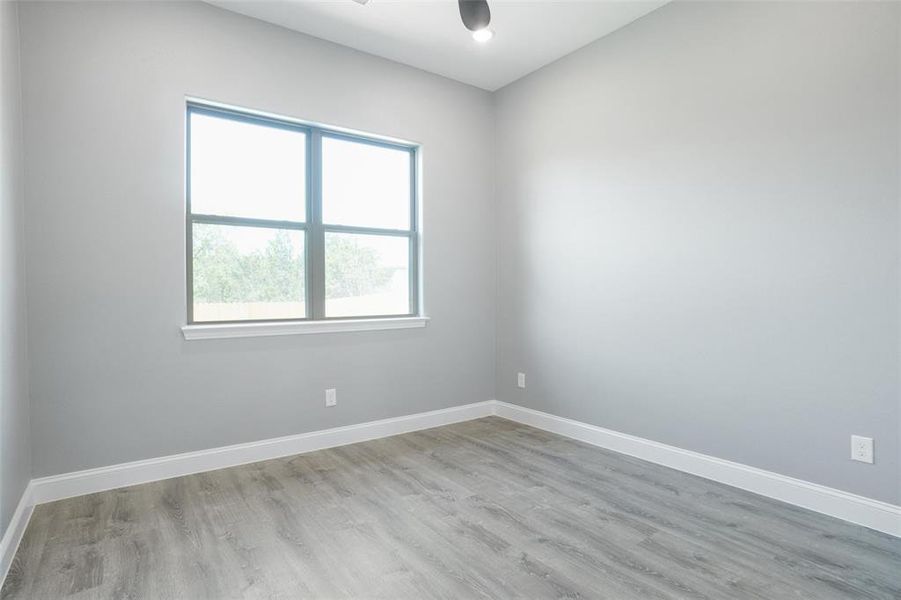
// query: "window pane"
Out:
[366,275]
[365,185]
[247,273]
[240,169]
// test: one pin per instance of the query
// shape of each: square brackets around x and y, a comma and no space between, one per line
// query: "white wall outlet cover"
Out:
[862,449]
[331,397]
[521,380]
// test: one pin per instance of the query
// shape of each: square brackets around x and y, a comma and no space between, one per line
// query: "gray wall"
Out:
[112,379]
[699,235]
[15,447]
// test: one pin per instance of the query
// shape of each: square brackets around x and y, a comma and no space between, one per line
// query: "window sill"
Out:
[239,330]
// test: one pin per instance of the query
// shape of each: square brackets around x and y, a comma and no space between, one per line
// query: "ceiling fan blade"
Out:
[475,14]
[361,1]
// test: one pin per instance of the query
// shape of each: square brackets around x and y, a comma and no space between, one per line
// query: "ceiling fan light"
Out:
[475,14]
[483,35]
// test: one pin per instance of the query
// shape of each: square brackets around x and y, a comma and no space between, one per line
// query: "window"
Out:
[292,222]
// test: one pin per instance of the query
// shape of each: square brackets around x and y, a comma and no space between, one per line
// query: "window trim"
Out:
[241,329]
[314,232]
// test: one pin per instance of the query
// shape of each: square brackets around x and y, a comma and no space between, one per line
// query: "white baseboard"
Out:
[874,514]
[14,531]
[870,513]
[57,487]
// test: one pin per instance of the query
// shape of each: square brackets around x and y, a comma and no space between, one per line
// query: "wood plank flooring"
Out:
[483,509]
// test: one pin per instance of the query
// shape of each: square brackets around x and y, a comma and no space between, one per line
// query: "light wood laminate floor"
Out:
[483,509]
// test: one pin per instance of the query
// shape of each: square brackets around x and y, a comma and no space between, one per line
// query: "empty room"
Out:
[457,299]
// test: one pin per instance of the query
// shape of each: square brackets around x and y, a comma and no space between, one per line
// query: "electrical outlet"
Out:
[862,449]
[331,397]
[521,380]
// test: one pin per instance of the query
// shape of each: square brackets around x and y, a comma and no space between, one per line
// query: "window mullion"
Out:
[317,234]
[367,230]
[247,222]
[414,238]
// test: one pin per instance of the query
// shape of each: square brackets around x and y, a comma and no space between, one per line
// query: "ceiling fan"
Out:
[476,17]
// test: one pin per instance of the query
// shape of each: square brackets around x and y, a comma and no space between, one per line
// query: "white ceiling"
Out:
[428,34]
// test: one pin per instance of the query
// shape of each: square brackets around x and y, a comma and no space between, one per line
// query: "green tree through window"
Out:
[223,274]
[354,269]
